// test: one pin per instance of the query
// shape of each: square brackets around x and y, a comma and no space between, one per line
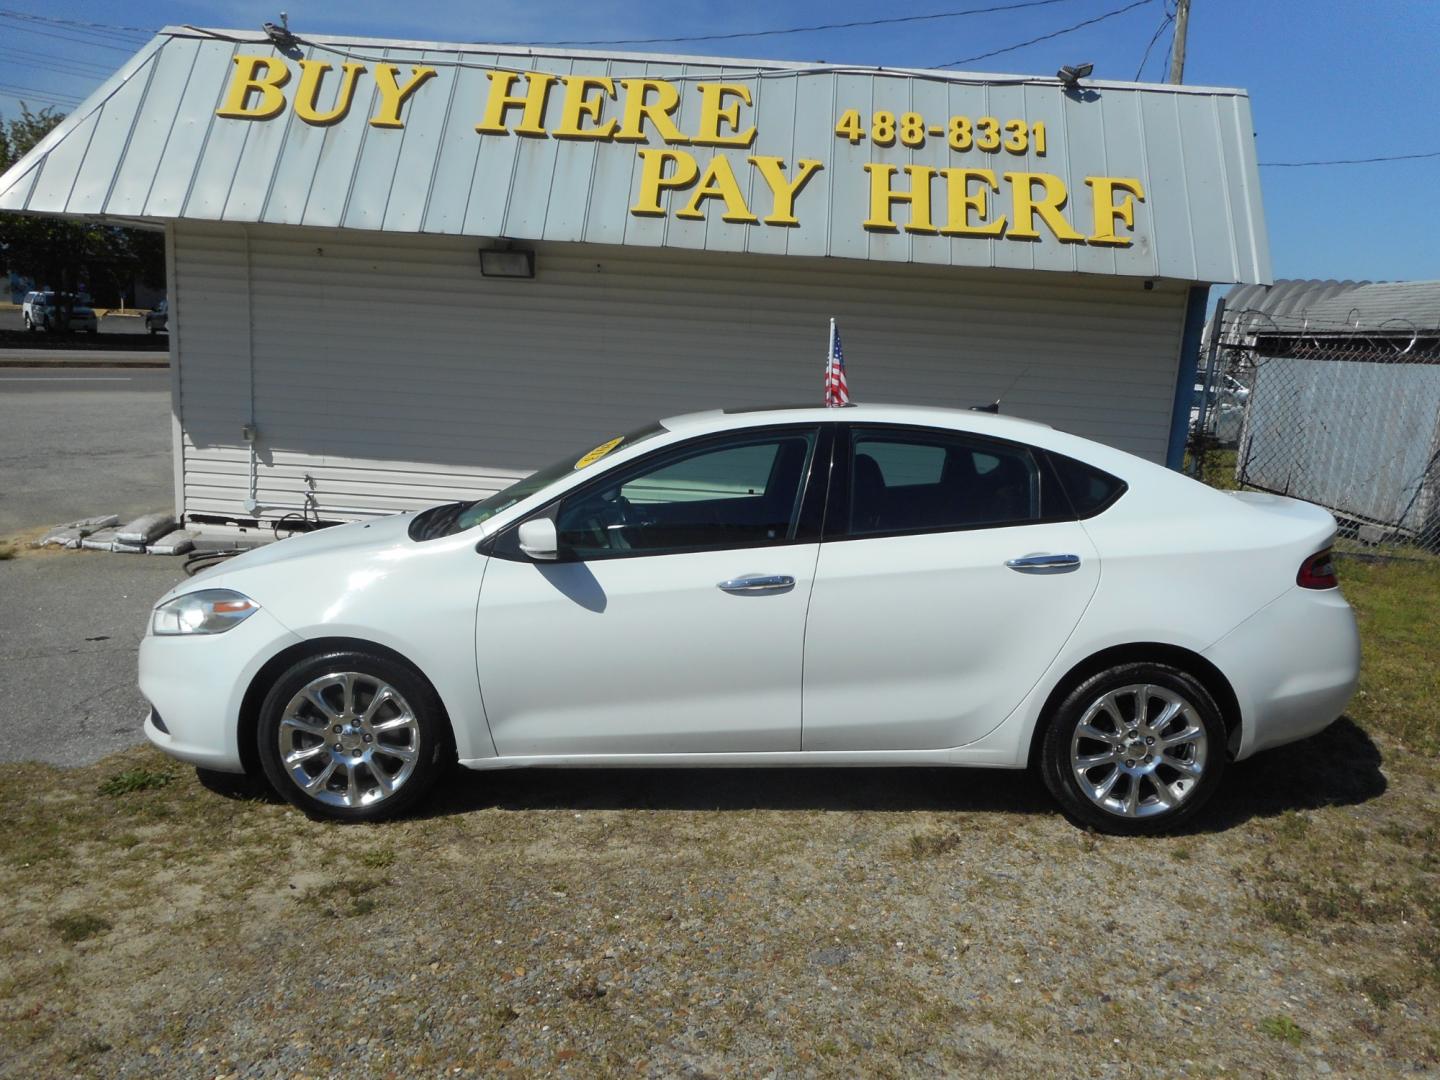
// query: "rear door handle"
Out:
[1044,564]
[756,583]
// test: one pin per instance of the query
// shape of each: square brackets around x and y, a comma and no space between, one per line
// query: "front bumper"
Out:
[198,682]
[1293,665]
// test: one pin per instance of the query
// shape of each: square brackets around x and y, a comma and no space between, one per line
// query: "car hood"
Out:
[381,533]
[355,541]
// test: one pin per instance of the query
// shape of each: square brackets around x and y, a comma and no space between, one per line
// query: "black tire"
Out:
[150,327]
[1153,772]
[427,736]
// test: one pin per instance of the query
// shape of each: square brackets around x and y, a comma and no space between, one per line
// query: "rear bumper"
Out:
[197,684]
[1293,665]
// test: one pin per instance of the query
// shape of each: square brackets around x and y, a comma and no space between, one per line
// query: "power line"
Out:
[800,29]
[74,40]
[1166,21]
[1347,161]
[55,66]
[89,27]
[51,58]
[26,92]
[1046,37]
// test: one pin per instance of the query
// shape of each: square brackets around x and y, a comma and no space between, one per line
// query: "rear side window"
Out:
[911,481]
[1091,491]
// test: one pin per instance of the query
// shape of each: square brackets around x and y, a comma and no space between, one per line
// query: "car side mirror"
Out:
[538,539]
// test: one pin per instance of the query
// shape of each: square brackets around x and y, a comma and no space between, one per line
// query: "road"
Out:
[74,443]
[80,442]
[70,623]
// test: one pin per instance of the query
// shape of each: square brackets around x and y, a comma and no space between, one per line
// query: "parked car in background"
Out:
[42,310]
[157,319]
[873,585]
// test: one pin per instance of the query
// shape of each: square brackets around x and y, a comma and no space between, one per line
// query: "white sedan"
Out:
[873,585]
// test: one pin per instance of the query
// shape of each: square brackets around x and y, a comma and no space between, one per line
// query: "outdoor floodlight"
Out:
[1071,76]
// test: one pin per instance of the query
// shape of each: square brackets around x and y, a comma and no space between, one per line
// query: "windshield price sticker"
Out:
[599,452]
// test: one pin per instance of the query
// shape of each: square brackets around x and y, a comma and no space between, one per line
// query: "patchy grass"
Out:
[927,845]
[79,926]
[132,780]
[1282,1027]
[1398,607]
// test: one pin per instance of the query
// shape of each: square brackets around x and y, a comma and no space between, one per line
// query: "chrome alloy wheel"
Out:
[1139,751]
[349,739]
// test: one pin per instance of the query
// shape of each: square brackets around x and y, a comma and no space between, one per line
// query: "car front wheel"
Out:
[353,736]
[1134,750]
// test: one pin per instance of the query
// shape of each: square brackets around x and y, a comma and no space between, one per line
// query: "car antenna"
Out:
[994,406]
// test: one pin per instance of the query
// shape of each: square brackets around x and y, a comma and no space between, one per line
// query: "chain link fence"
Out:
[1331,414]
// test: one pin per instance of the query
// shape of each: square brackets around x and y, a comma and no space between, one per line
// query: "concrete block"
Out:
[145,528]
[177,542]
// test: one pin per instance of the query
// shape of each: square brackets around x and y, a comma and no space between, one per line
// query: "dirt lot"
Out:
[867,922]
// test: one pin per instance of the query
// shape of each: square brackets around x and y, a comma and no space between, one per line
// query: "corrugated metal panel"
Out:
[393,373]
[1321,430]
[149,144]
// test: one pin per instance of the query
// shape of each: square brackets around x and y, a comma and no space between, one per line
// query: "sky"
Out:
[1328,79]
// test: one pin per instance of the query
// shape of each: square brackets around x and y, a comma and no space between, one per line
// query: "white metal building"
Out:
[692,225]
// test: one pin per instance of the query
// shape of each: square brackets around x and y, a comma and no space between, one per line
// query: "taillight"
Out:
[1318,571]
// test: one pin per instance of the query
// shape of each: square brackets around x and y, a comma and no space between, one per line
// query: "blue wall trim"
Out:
[1185,377]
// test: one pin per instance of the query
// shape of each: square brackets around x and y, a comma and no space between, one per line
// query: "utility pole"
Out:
[1177,47]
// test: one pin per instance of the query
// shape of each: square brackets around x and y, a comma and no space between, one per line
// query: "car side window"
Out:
[742,492]
[905,481]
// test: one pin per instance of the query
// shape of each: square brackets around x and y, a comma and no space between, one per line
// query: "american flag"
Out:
[836,391]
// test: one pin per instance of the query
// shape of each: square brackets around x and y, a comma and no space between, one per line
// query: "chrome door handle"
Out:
[758,583]
[1044,564]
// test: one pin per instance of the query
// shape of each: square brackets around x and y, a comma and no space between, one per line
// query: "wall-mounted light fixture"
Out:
[505,261]
[1071,75]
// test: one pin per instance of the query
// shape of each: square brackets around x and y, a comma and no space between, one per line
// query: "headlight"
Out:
[209,611]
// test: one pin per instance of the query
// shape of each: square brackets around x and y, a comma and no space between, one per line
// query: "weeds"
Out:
[139,779]
[1282,1027]
[926,845]
[79,926]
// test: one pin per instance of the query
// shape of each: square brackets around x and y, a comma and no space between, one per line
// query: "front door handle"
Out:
[756,583]
[1044,564]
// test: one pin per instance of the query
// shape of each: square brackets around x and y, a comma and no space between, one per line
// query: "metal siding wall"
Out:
[393,373]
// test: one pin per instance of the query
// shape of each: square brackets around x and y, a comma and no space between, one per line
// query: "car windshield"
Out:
[445,520]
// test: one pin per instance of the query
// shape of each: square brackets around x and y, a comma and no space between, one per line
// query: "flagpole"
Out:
[829,358]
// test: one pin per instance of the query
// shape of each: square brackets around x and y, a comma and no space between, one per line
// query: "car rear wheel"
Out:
[1134,750]
[353,736]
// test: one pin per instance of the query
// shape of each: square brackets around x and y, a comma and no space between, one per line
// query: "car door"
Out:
[951,573]
[673,619]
